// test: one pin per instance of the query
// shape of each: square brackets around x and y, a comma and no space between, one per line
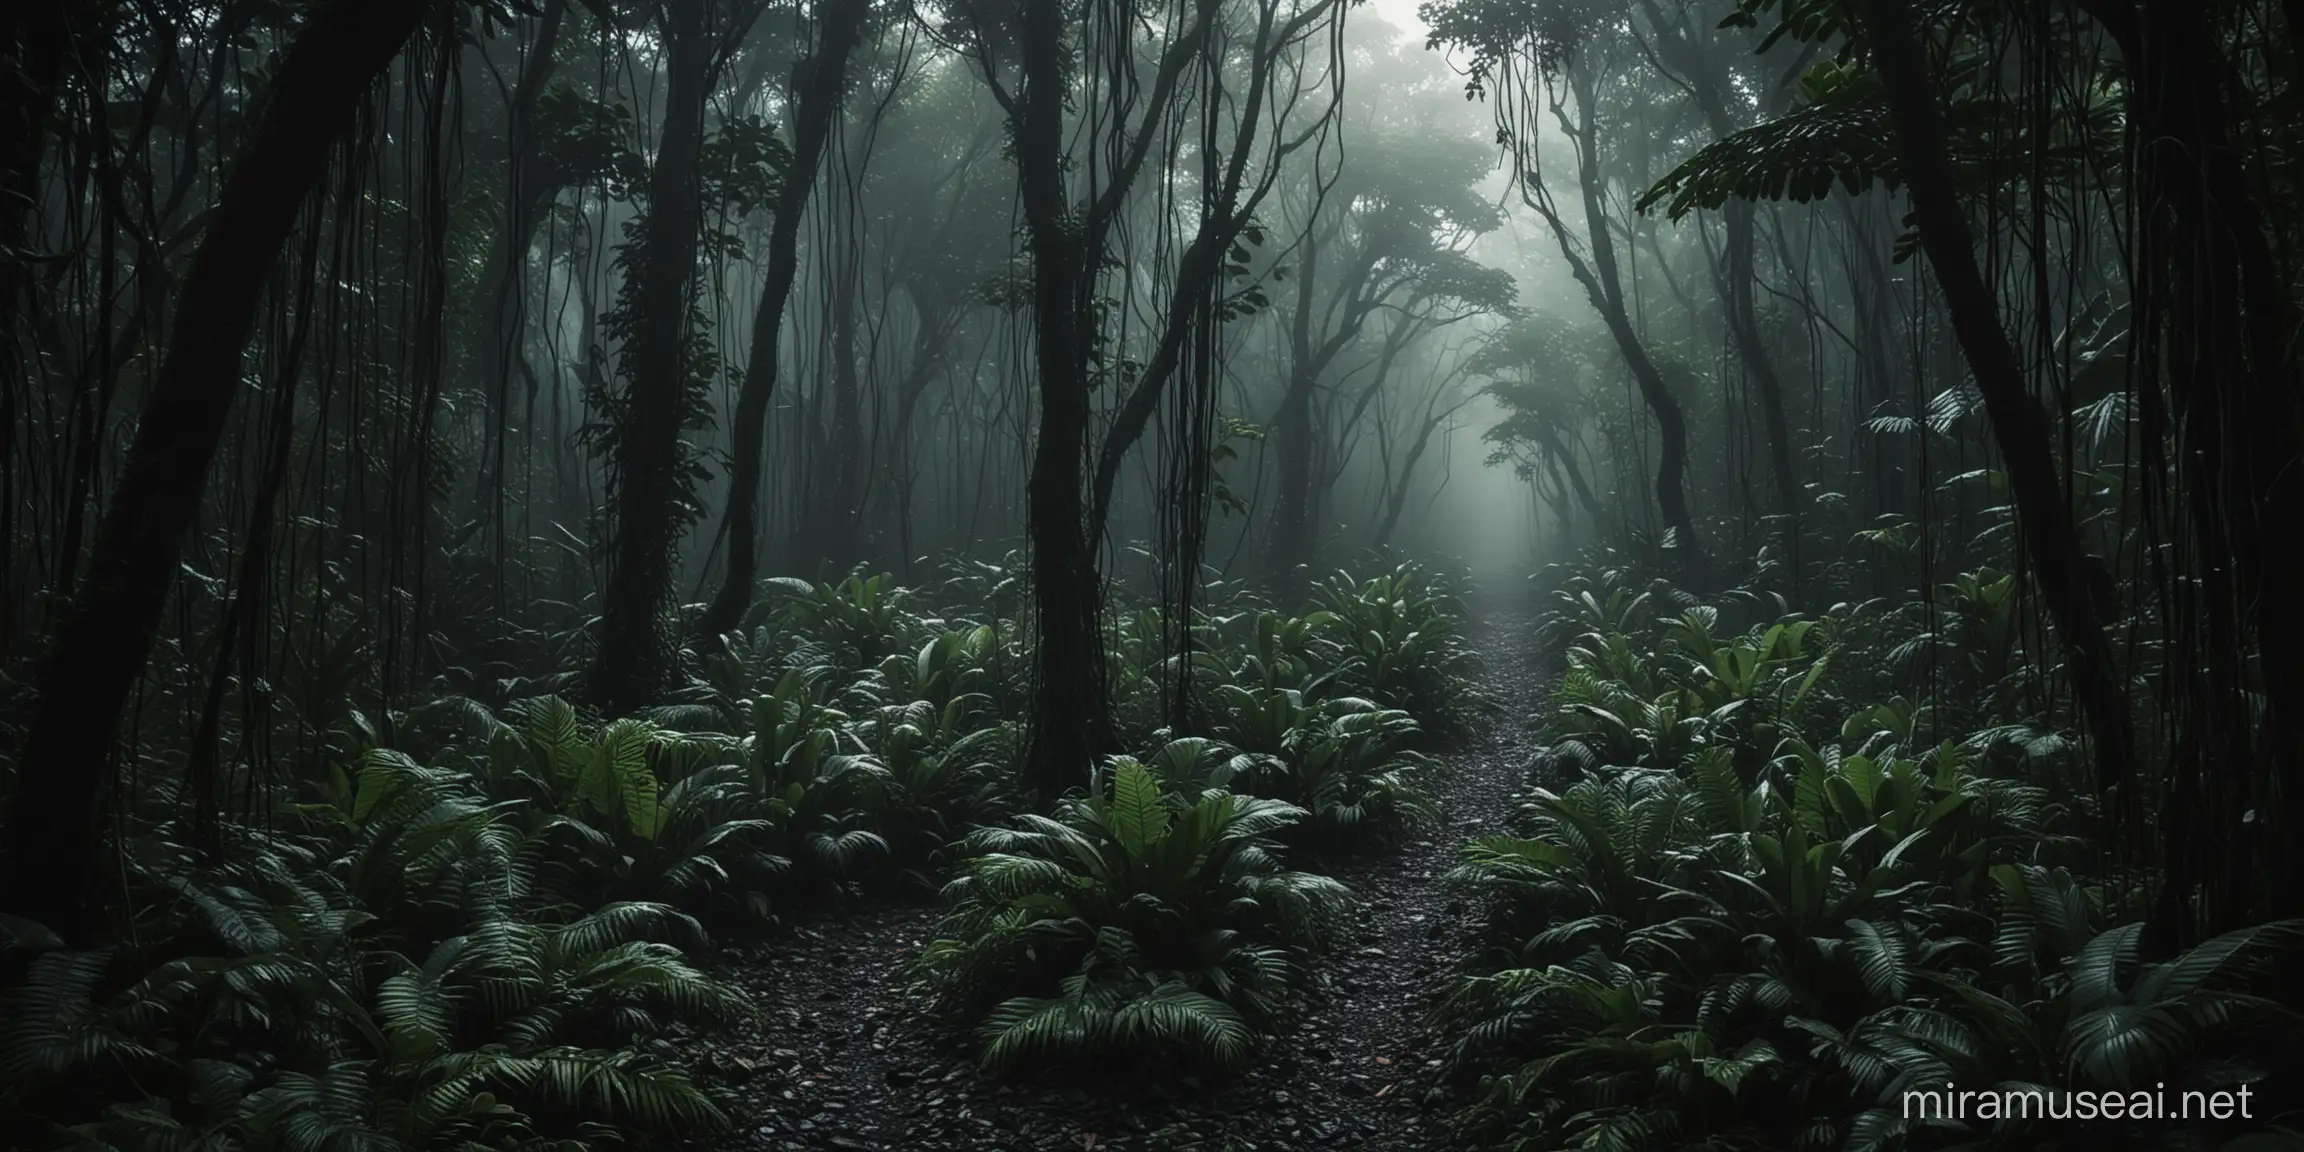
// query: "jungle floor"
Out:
[835,1061]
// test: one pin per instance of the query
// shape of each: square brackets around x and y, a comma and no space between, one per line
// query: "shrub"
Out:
[1727,933]
[1395,641]
[1137,925]
[270,1008]
[1347,762]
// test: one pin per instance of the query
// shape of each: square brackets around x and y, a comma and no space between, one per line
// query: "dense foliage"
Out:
[1755,900]
[467,932]
[499,498]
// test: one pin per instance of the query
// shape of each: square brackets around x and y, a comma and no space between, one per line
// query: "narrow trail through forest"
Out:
[839,1060]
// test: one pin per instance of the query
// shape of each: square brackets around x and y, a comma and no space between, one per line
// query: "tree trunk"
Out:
[1292,531]
[530,186]
[106,635]
[835,512]
[1198,279]
[2214,306]
[1702,71]
[1195,281]
[1562,509]
[37,42]
[1295,530]
[1604,288]
[1744,329]
[633,663]
[1549,438]
[820,100]
[2019,427]
[1070,722]
[1399,499]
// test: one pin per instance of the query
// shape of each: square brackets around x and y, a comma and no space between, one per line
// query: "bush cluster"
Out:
[472,925]
[1749,906]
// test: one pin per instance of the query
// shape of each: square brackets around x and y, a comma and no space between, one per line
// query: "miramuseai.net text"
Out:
[2037,1103]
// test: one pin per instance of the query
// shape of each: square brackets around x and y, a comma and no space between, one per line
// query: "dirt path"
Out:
[840,1062]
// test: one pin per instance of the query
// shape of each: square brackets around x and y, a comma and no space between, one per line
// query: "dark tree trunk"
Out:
[1070,723]
[1197,282]
[1604,288]
[1558,498]
[1702,71]
[836,513]
[531,186]
[937,322]
[821,89]
[2019,426]
[38,37]
[106,635]
[633,662]
[1554,447]
[1744,329]
[1295,429]
[2215,307]
[1292,432]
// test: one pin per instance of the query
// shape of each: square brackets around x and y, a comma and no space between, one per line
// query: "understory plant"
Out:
[1744,907]
[384,977]
[1142,923]
[470,920]
[1349,763]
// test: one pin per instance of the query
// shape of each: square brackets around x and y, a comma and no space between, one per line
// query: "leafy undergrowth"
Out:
[1758,896]
[1168,929]
[474,923]
[839,1058]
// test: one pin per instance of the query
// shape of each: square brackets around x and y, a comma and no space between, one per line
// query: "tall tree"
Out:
[1069,241]
[820,82]
[2019,426]
[651,506]
[100,648]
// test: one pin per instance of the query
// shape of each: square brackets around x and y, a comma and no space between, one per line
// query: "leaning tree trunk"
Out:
[1706,78]
[824,79]
[1197,282]
[106,635]
[2019,427]
[1070,724]
[632,662]
[1603,286]
[1671,424]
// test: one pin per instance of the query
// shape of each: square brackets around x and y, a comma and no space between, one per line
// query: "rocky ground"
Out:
[838,1060]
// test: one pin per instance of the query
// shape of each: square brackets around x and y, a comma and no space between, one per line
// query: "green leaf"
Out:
[1139,819]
